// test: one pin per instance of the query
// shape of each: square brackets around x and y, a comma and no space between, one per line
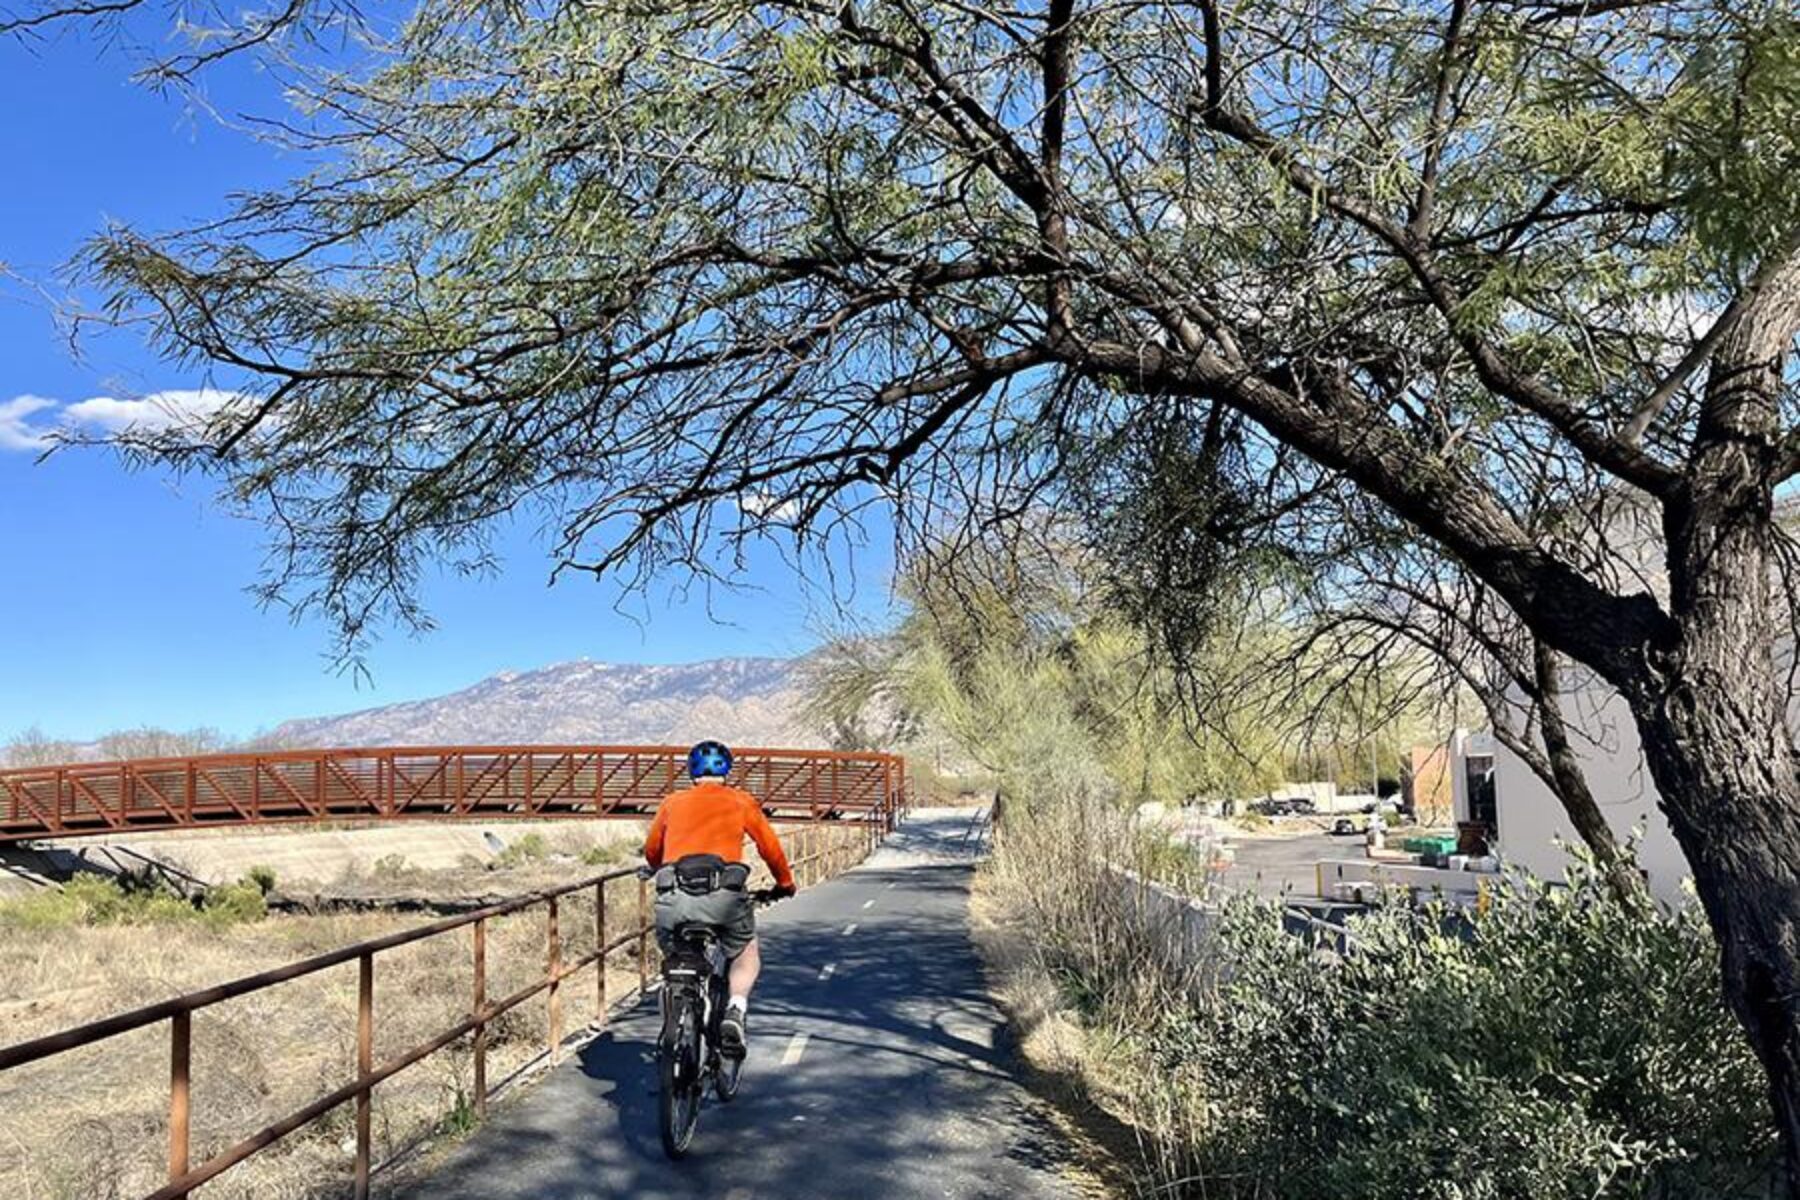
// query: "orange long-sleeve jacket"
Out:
[712,817]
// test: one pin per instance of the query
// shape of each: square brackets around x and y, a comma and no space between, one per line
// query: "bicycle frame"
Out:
[688,1054]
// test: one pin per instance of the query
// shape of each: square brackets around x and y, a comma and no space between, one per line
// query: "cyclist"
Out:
[696,846]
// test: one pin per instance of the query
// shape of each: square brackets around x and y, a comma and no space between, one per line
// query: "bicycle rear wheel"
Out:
[678,1106]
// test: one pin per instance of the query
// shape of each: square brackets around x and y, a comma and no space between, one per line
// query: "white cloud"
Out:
[154,413]
[16,433]
[31,422]
[768,508]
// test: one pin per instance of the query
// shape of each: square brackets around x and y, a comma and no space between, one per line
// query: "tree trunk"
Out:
[1709,702]
[1719,753]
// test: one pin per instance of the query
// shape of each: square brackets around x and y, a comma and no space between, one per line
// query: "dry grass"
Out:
[92,1124]
[1067,1064]
[1080,973]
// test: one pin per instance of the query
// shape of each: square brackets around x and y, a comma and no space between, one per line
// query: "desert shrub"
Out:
[607,854]
[390,867]
[527,848]
[52,908]
[98,900]
[263,877]
[234,904]
[1561,1044]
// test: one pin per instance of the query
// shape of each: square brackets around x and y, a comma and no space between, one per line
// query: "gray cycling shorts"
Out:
[729,912]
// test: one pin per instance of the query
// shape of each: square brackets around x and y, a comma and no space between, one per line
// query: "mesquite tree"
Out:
[1373,600]
[684,271]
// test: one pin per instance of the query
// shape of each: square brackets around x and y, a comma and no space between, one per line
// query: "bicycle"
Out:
[688,1053]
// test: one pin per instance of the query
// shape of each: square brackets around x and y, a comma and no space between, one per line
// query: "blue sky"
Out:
[122,596]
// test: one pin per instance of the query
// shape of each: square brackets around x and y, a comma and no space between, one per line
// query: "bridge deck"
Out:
[878,1068]
[430,783]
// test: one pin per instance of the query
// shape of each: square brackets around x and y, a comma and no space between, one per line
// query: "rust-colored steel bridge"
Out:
[425,783]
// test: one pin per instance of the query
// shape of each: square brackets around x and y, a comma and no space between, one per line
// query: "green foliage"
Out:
[527,848]
[607,854]
[1562,1045]
[775,192]
[90,899]
[234,904]
[263,877]
[462,1117]
[1049,676]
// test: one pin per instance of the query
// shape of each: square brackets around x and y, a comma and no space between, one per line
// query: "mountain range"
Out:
[742,701]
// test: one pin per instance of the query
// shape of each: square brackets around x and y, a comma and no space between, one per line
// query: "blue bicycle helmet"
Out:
[709,758]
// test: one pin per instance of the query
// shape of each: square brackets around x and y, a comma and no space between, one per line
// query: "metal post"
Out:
[481,1031]
[555,969]
[600,949]
[180,1047]
[365,1063]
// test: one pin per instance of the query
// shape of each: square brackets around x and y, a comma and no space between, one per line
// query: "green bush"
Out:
[98,900]
[608,854]
[1562,1044]
[527,848]
[263,877]
[1566,1045]
[234,904]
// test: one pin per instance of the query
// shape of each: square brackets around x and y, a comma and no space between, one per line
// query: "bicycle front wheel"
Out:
[679,1065]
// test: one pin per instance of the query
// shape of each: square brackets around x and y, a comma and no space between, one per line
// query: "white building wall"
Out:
[1532,821]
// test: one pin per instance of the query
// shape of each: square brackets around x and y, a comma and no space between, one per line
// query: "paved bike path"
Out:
[878,1068]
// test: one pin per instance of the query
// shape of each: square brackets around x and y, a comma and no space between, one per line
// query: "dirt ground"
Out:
[92,1124]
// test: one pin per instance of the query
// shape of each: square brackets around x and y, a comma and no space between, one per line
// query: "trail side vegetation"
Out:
[1563,1044]
[90,899]
[1003,663]
[1567,1041]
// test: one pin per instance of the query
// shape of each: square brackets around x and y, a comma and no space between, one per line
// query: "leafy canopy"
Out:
[668,273]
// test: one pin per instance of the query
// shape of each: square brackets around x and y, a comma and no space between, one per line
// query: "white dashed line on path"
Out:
[795,1048]
[850,929]
[826,970]
[868,904]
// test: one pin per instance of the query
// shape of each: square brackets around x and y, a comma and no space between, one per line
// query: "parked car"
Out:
[1344,826]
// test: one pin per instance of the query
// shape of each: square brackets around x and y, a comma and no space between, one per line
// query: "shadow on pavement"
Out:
[905,1085]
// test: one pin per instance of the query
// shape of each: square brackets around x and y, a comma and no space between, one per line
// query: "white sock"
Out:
[741,1003]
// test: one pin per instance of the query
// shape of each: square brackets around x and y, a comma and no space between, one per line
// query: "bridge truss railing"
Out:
[418,783]
[818,850]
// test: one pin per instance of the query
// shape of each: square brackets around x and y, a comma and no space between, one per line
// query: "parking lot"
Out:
[1284,864]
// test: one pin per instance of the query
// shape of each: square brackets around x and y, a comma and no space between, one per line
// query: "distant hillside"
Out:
[747,701]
